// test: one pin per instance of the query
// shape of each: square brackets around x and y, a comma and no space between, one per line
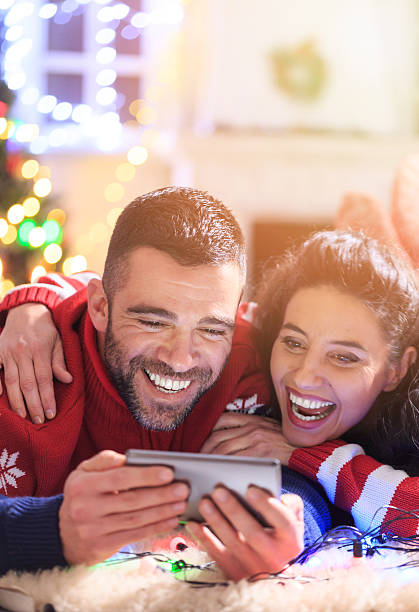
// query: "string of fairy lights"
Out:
[76,122]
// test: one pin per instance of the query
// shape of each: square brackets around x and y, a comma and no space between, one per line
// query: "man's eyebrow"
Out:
[142,309]
[230,323]
[348,343]
[153,310]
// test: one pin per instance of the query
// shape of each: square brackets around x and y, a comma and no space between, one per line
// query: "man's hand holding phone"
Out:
[108,505]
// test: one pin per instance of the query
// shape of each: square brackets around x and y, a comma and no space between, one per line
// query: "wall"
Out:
[289,177]
[369,49]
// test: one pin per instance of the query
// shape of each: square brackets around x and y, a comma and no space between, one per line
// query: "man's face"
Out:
[169,333]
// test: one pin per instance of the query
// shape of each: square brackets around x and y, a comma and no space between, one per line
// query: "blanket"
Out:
[331,580]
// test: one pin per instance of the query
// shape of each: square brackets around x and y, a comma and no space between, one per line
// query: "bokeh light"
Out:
[13,33]
[106,77]
[36,237]
[37,272]
[3,125]
[10,236]
[57,215]
[146,115]
[105,96]
[62,111]
[114,192]
[78,264]
[105,36]
[31,206]
[53,253]
[74,264]
[27,132]
[30,168]
[15,80]
[129,32]
[4,226]
[125,172]
[53,231]
[46,104]
[18,12]
[140,20]
[5,4]
[135,106]
[42,187]
[24,230]
[106,55]
[16,213]
[6,285]
[137,155]
[48,10]
[81,113]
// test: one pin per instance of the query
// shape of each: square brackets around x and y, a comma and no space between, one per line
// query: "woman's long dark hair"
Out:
[362,267]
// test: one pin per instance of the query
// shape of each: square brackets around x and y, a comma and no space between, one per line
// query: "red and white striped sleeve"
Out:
[49,290]
[361,485]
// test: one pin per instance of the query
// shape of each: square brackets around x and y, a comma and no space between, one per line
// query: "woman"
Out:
[339,331]
[340,317]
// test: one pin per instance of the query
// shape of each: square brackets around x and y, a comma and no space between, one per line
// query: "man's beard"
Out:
[152,414]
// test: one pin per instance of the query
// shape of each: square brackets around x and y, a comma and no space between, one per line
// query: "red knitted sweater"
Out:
[36,459]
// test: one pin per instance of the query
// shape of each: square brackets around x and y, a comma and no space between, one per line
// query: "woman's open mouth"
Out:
[309,409]
[165,384]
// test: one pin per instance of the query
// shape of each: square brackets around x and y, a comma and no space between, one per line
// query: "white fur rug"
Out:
[333,581]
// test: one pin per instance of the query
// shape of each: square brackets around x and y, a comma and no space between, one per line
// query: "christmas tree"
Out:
[31,228]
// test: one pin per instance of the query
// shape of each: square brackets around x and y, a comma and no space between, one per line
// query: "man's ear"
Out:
[398,373]
[97,304]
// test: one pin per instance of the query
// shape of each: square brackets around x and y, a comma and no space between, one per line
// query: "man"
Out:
[154,364]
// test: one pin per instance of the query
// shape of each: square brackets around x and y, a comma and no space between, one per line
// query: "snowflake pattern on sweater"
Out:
[9,472]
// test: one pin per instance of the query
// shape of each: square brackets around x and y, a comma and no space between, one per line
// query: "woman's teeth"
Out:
[298,403]
[167,385]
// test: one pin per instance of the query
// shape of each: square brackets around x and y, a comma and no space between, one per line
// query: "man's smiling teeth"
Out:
[307,404]
[167,385]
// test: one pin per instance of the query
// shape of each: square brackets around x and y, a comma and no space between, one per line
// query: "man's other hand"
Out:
[108,505]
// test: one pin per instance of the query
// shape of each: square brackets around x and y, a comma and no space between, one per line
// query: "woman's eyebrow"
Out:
[348,343]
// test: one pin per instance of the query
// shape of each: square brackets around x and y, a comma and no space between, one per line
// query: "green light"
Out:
[24,230]
[53,231]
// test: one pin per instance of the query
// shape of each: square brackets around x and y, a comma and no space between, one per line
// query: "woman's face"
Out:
[328,364]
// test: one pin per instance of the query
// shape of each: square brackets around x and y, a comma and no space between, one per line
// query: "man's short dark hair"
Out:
[188,224]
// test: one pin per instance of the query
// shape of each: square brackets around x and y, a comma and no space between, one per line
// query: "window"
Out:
[85,63]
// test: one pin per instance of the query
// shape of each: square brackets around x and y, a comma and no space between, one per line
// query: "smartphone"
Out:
[203,472]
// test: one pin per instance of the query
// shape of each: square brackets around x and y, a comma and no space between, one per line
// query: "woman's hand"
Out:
[238,543]
[31,353]
[248,434]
